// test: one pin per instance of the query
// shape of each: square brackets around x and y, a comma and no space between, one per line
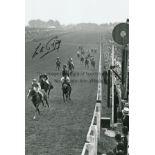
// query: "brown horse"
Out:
[86,62]
[93,63]
[36,99]
[45,86]
[82,58]
[58,64]
[66,92]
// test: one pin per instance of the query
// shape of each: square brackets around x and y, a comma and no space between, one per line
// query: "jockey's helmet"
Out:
[34,80]
[71,59]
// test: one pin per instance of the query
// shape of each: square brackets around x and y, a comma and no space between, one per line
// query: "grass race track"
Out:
[61,129]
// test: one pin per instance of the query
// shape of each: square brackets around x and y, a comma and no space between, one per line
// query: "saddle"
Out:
[65,82]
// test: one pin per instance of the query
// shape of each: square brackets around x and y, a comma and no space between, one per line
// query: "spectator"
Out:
[120,152]
[125,139]
[125,131]
[120,146]
[125,118]
[118,137]
[110,153]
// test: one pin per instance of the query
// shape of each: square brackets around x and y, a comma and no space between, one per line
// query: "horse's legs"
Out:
[49,92]
[38,110]
[45,98]
[43,103]
[64,97]
[70,93]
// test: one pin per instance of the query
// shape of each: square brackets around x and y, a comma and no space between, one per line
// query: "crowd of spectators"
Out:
[121,138]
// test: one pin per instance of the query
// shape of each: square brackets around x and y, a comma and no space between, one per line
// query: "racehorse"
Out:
[82,58]
[93,63]
[78,54]
[92,50]
[70,67]
[58,63]
[45,86]
[86,62]
[88,55]
[82,52]
[66,91]
[37,99]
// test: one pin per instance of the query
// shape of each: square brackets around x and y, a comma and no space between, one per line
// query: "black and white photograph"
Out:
[77,77]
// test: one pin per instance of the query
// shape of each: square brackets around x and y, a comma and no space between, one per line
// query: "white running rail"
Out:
[93,135]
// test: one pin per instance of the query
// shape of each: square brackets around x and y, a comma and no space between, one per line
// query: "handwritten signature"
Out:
[52,45]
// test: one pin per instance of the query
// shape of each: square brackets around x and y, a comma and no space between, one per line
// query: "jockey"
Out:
[66,79]
[36,87]
[68,62]
[71,61]
[64,71]
[45,78]
[58,59]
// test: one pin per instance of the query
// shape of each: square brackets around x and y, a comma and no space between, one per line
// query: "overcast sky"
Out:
[77,11]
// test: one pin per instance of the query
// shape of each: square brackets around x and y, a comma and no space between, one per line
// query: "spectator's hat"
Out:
[125,111]
[34,80]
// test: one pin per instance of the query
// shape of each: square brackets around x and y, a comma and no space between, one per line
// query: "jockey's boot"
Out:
[41,94]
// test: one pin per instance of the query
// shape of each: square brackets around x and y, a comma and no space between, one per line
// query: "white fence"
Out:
[93,135]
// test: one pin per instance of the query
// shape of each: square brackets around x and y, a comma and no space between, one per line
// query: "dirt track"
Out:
[62,129]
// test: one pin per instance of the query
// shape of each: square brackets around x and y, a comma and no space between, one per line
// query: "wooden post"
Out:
[108,91]
[124,73]
[112,74]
